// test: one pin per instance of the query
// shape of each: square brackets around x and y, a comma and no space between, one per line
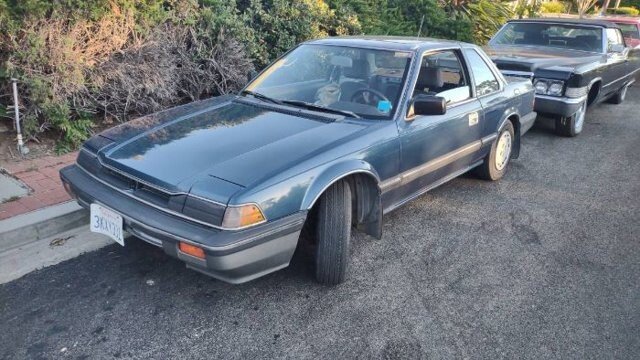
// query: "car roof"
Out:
[569,21]
[394,43]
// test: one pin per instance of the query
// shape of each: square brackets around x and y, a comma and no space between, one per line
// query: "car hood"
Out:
[236,142]
[531,58]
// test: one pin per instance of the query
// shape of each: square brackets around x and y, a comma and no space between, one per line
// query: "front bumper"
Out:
[557,106]
[231,256]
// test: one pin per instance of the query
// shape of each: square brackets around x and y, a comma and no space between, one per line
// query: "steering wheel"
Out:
[365,96]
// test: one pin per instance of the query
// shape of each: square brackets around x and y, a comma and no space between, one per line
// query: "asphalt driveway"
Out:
[543,264]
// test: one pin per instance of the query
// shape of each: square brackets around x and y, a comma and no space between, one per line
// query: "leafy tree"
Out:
[487,16]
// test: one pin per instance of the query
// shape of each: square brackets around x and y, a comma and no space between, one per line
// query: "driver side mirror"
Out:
[427,105]
[618,49]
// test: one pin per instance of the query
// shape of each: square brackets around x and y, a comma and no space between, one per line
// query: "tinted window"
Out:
[483,77]
[441,74]
[565,36]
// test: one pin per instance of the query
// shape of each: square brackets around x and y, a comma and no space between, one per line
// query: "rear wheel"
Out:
[495,163]
[333,234]
[619,97]
[571,126]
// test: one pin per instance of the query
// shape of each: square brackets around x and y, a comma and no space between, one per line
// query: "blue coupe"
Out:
[332,135]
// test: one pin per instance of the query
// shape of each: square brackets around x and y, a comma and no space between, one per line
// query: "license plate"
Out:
[108,222]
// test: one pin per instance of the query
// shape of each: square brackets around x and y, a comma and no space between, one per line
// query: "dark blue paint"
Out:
[235,152]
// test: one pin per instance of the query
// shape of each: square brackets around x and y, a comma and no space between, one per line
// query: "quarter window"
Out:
[483,78]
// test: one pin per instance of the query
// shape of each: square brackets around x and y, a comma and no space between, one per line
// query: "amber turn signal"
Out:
[236,217]
[191,250]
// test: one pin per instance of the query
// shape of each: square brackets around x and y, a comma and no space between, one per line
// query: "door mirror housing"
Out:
[427,105]
[617,49]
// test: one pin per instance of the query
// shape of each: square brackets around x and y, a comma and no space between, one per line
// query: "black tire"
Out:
[333,234]
[489,170]
[571,126]
[619,97]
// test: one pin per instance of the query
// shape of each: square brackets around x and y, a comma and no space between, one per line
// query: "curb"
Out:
[39,224]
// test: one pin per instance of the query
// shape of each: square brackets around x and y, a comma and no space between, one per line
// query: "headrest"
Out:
[360,69]
[430,77]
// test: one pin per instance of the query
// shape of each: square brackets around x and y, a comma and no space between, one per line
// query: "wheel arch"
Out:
[595,86]
[514,118]
[364,182]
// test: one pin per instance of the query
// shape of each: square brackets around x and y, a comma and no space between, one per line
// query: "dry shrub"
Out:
[59,52]
[172,66]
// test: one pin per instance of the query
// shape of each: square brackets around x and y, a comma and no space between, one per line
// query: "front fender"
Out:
[333,173]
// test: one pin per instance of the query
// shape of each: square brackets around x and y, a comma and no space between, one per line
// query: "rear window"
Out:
[565,36]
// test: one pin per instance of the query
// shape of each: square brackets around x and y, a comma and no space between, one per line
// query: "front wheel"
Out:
[571,126]
[333,234]
[495,163]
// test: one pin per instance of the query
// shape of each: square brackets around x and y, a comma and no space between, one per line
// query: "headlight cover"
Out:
[549,87]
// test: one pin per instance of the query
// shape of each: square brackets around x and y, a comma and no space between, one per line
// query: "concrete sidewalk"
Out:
[39,224]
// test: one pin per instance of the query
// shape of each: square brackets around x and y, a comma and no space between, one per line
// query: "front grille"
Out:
[199,210]
[518,74]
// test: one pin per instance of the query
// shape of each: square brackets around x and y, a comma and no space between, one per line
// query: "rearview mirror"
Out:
[428,105]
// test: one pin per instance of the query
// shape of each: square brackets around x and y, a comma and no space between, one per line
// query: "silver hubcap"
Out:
[580,117]
[623,93]
[503,150]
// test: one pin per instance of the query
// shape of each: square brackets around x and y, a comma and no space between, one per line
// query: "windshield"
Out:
[564,36]
[629,30]
[360,81]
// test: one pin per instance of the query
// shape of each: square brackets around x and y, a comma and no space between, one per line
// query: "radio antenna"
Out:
[420,29]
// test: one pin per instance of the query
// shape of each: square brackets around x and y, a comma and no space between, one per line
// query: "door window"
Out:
[483,78]
[442,74]
[614,37]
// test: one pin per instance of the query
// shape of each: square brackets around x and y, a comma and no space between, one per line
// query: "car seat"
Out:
[431,79]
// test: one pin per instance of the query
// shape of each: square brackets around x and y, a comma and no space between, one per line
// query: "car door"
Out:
[435,146]
[616,71]
[489,91]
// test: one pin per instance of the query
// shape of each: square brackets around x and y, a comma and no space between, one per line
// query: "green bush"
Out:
[624,10]
[552,7]
[630,3]
[83,62]
[404,17]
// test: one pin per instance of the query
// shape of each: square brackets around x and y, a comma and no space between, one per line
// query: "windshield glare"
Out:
[565,36]
[366,82]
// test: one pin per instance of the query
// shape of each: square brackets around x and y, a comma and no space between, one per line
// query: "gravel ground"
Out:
[543,264]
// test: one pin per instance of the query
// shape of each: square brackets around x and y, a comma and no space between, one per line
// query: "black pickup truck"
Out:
[572,63]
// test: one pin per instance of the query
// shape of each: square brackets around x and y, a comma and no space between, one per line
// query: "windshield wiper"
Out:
[261,97]
[315,107]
